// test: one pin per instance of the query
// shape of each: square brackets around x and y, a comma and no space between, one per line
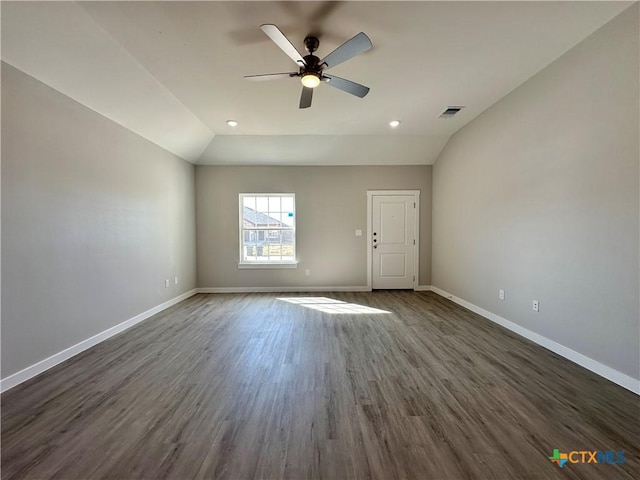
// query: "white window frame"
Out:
[242,264]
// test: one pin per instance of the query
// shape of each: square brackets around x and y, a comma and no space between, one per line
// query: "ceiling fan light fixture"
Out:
[310,80]
[311,68]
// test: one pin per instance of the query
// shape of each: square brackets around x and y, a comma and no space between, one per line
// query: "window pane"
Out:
[287,204]
[248,247]
[287,219]
[288,252]
[274,204]
[249,253]
[249,216]
[249,202]
[262,204]
[274,245]
[274,236]
[274,219]
[248,213]
[287,237]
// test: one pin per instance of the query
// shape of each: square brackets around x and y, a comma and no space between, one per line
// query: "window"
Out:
[267,229]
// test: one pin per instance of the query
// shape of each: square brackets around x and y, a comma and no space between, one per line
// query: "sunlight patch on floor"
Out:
[331,305]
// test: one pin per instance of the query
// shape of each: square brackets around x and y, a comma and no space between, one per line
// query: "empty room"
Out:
[320,240]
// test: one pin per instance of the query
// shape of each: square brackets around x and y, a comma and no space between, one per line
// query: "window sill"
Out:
[248,266]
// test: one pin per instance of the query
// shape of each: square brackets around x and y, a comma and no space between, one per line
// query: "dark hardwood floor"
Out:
[250,386]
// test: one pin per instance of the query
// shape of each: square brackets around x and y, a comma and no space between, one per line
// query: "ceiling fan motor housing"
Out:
[311,44]
[312,63]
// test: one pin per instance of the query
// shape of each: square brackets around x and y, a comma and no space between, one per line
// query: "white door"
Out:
[393,241]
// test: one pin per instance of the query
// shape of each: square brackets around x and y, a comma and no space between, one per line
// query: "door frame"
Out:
[416,226]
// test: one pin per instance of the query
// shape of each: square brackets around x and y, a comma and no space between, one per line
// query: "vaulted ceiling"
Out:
[173,71]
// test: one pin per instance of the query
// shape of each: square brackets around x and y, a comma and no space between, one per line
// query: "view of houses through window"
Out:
[267,228]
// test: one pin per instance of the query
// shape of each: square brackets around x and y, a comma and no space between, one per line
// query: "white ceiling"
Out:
[172,71]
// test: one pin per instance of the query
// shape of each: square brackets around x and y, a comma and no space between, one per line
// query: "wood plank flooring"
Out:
[241,386]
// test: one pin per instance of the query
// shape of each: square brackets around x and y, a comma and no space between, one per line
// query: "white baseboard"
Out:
[282,289]
[43,365]
[422,288]
[609,373]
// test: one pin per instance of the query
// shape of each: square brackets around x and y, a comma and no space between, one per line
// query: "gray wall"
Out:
[539,196]
[330,203]
[94,219]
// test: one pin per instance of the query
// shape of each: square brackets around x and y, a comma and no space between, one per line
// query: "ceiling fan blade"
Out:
[305,98]
[347,86]
[349,49]
[283,42]
[270,76]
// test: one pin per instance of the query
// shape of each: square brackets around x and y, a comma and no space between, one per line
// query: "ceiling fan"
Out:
[311,68]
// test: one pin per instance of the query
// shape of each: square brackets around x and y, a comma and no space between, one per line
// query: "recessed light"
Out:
[232,123]
[394,123]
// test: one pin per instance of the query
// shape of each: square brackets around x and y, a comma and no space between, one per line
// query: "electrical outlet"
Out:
[535,306]
[166,283]
[501,294]
[358,233]
[175,280]
[307,273]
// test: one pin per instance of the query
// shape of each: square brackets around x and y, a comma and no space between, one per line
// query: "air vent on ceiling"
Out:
[450,112]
